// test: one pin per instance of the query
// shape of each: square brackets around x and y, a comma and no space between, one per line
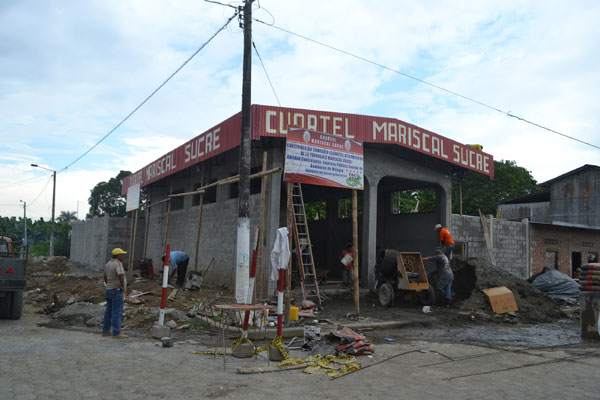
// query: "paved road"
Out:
[44,363]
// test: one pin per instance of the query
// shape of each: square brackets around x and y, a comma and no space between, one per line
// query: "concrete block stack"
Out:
[589,278]
[589,300]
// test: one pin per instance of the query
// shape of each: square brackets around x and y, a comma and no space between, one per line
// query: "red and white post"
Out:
[165,283]
[280,302]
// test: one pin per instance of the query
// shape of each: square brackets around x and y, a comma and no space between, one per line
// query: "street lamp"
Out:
[24,222]
[53,203]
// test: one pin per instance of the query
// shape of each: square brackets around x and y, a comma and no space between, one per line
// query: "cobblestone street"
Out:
[45,363]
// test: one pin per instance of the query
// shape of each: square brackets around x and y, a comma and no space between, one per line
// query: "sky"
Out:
[71,70]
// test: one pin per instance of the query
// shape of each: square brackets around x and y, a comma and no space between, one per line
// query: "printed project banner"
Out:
[321,159]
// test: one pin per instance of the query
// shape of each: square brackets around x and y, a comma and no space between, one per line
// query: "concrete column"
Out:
[272,216]
[369,232]
[528,263]
[445,202]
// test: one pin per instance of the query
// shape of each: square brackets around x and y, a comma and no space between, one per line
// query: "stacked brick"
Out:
[589,278]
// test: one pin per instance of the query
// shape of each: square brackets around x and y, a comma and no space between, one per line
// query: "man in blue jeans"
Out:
[115,281]
[446,277]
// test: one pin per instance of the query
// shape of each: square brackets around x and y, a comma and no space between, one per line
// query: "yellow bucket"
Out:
[293,313]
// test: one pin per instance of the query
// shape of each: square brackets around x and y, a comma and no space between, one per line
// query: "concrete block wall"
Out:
[510,242]
[218,237]
[93,239]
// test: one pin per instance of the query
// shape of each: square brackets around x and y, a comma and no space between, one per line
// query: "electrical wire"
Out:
[154,92]
[42,191]
[266,73]
[20,183]
[507,113]
[221,4]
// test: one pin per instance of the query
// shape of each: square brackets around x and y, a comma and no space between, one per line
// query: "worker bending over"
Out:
[178,261]
[446,277]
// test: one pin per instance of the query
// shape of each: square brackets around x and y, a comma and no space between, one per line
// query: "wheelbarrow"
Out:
[403,275]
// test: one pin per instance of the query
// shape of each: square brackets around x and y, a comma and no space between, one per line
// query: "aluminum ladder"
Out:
[304,253]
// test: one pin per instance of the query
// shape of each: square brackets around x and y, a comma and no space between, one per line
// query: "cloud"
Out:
[69,74]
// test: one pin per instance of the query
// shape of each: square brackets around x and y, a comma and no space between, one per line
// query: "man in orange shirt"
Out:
[446,240]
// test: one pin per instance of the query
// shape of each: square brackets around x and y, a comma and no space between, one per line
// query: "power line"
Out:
[42,191]
[266,73]
[20,183]
[507,113]
[154,92]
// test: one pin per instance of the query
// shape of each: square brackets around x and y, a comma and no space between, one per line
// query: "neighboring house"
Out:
[564,219]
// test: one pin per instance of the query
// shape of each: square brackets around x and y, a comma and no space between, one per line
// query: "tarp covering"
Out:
[560,287]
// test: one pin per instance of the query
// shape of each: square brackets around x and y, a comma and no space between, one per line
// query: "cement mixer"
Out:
[403,275]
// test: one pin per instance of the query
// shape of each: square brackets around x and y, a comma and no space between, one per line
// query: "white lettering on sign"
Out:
[278,122]
[161,166]
[268,116]
[202,145]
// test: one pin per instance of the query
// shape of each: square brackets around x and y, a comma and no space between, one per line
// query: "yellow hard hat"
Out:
[118,251]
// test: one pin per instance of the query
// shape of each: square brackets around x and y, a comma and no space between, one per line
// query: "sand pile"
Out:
[471,275]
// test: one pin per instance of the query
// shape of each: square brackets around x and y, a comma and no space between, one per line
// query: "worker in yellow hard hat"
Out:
[116,283]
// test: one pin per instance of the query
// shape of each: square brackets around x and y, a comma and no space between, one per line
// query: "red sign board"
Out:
[277,122]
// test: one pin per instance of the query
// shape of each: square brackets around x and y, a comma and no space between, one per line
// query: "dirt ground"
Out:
[55,283]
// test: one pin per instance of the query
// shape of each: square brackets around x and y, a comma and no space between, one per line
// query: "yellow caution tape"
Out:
[332,366]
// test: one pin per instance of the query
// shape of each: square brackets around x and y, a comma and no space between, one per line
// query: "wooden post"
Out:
[261,229]
[288,272]
[460,198]
[126,230]
[132,254]
[147,223]
[198,234]
[130,246]
[167,222]
[355,250]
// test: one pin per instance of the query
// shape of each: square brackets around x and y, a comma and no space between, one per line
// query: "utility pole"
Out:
[24,222]
[51,252]
[243,229]
[52,225]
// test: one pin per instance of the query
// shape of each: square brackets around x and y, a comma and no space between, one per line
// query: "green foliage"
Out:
[66,216]
[481,193]
[38,234]
[414,201]
[106,198]
[345,207]
[315,211]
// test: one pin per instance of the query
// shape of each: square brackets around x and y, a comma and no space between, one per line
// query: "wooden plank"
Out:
[173,294]
[147,224]
[486,236]
[288,272]
[355,250]
[262,370]
[199,228]
[261,229]
[167,222]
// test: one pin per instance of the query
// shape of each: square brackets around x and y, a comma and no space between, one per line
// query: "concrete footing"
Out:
[160,331]
[589,304]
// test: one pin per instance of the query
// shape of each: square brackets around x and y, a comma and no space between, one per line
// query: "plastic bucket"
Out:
[293,313]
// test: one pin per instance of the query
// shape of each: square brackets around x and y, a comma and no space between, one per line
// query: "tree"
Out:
[66,216]
[106,198]
[481,193]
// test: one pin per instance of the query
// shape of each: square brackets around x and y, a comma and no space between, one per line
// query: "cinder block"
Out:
[160,331]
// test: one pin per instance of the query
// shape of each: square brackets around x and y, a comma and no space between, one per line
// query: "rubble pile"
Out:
[472,275]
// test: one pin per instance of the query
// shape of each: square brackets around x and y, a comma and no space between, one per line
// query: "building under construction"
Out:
[399,158]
